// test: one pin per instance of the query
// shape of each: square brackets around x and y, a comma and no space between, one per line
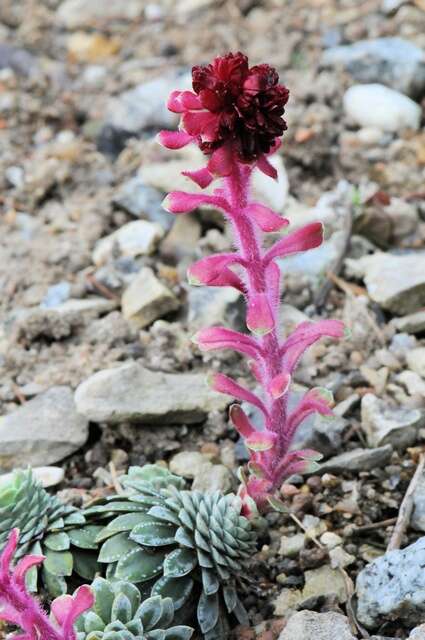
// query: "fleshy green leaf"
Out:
[57,541]
[59,563]
[208,610]
[114,549]
[178,589]
[139,565]
[85,564]
[179,563]
[125,522]
[85,538]
[154,533]
[55,585]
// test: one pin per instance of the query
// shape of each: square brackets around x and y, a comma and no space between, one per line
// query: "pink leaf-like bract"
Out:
[235,116]
[20,608]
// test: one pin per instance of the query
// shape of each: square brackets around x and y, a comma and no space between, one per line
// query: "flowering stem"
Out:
[237,186]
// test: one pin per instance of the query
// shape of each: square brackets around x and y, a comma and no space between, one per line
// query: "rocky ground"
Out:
[97,368]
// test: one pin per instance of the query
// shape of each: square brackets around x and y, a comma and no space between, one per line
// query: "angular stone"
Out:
[393,588]
[395,62]
[187,463]
[357,460]
[146,299]
[395,282]
[143,201]
[324,581]
[215,306]
[290,546]
[418,633]
[131,393]
[213,477]
[87,13]
[412,323]
[374,105]
[384,424]
[43,431]
[137,238]
[309,625]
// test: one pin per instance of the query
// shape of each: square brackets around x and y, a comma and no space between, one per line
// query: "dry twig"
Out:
[406,508]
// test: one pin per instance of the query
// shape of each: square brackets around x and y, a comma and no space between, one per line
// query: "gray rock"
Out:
[187,463]
[59,321]
[213,477]
[137,238]
[321,434]
[43,431]
[19,60]
[393,588]
[74,14]
[358,460]
[56,295]
[46,476]
[131,393]
[412,323]
[418,514]
[309,625]
[143,201]
[416,361]
[392,6]
[374,105]
[215,305]
[146,299]
[394,62]
[384,424]
[145,106]
[324,581]
[290,546]
[418,633]
[395,282]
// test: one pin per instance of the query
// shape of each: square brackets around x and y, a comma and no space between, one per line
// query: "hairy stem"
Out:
[237,186]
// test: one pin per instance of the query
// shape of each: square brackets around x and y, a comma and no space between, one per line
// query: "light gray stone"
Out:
[146,299]
[137,238]
[74,14]
[374,105]
[145,106]
[394,62]
[213,477]
[290,546]
[143,201]
[416,360]
[418,633]
[187,463]
[309,625]
[43,431]
[210,306]
[132,393]
[395,282]
[324,581]
[46,476]
[357,460]
[412,323]
[384,424]
[393,588]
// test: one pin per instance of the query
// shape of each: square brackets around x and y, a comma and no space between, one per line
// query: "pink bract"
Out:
[235,116]
[18,607]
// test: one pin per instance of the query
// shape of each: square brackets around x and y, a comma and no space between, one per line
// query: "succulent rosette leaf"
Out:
[48,528]
[186,545]
[118,613]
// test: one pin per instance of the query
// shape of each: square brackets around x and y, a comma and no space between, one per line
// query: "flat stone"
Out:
[145,106]
[357,460]
[183,238]
[137,238]
[416,360]
[413,382]
[131,393]
[395,282]
[374,105]
[412,323]
[43,431]
[46,476]
[384,424]
[418,633]
[321,434]
[324,581]
[330,539]
[143,201]
[394,62]
[393,588]
[19,60]
[286,602]
[60,321]
[309,625]
[74,14]
[340,558]
[146,299]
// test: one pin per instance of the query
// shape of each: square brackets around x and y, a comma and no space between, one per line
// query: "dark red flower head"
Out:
[235,112]
[248,104]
